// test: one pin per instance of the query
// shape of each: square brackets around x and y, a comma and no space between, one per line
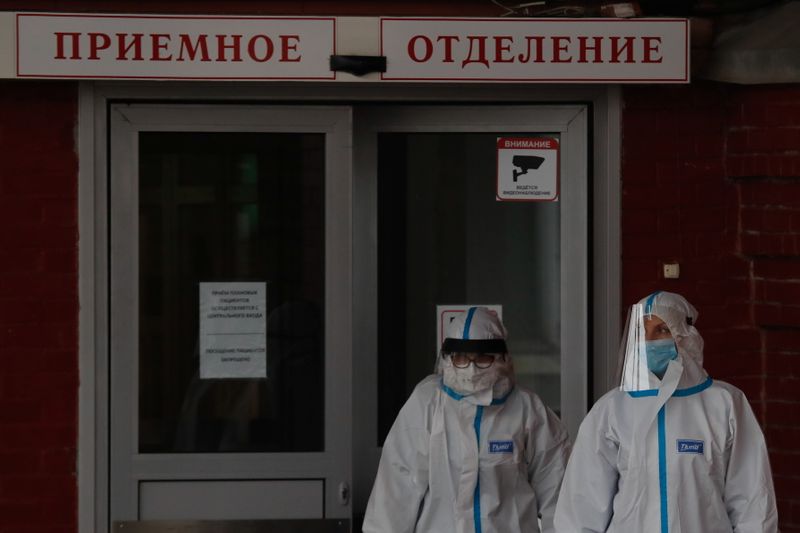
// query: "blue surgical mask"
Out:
[659,354]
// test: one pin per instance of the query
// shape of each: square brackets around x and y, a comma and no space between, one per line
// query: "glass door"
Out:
[436,227]
[230,308]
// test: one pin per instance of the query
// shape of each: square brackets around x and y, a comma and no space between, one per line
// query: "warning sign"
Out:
[527,169]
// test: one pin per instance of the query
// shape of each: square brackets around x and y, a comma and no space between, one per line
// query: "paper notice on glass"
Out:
[233,330]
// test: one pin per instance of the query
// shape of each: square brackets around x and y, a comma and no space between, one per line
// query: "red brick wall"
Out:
[763,160]
[711,179]
[38,307]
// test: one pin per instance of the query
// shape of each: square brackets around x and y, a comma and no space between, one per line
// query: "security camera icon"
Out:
[525,163]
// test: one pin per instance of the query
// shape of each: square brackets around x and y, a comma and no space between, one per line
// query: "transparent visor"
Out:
[634,372]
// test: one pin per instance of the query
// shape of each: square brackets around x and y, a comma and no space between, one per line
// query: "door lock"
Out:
[344,493]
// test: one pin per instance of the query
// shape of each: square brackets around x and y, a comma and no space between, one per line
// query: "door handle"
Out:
[344,493]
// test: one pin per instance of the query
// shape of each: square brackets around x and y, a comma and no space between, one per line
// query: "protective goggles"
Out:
[480,360]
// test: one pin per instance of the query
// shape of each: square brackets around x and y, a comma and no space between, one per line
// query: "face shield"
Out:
[658,330]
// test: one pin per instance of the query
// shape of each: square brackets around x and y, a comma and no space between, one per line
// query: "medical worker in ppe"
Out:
[470,451]
[670,451]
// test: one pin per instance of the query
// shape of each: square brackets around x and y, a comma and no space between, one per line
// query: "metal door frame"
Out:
[125,121]
[604,107]
[570,122]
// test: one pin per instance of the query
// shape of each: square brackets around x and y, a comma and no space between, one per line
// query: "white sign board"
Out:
[233,330]
[174,47]
[536,50]
[446,313]
[527,169]
[204,47]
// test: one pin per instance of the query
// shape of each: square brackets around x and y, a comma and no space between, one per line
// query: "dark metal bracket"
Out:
[358,65]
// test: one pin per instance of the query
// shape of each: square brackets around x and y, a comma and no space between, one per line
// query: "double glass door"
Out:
[277,277]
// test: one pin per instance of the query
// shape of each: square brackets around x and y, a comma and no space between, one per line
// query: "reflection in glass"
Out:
[231,207]
[444,239]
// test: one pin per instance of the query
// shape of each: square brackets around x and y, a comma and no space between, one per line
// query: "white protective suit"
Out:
[687,456]
[488,460]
